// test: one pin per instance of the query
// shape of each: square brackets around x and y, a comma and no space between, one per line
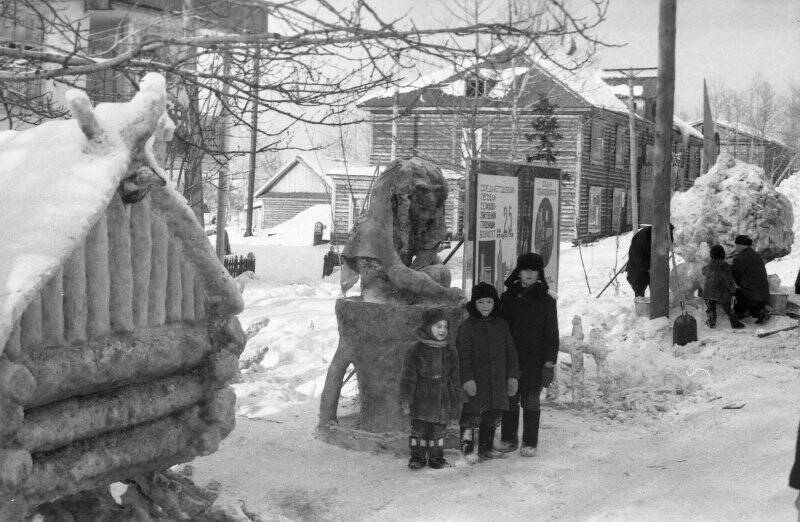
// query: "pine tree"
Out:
[545,131]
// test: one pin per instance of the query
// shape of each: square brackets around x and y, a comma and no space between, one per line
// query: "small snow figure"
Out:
[750,276]
[531,313]
[430,390]
[719,288]
[489,371]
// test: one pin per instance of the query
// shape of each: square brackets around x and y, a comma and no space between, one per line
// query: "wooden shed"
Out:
[118,335]
[298,185]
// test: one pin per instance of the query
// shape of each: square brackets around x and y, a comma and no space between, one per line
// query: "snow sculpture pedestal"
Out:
[375,337]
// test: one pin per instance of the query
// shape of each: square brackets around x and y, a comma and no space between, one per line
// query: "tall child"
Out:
[430,390]
[719,288]
[489,370]
[531,313]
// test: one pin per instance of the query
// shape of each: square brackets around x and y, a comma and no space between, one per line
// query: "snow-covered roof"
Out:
[745,129]
[623,90]
[314,164]
[56,186]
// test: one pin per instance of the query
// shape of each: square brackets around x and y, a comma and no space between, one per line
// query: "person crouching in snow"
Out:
[489,371]
[531,314]
[430,390]
[719,288]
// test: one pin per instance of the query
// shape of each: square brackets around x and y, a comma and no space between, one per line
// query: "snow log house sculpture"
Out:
[117,330]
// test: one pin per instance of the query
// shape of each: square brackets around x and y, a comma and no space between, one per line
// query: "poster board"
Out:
[595,210]
[618,205]
[512,209]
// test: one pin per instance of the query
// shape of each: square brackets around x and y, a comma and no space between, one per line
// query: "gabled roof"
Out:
[57,185]
[743,129]
[315,165]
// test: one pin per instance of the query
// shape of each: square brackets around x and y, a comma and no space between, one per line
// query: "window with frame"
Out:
[598,142]
[621,149]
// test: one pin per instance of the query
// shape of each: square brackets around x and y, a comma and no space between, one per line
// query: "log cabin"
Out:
[118,328]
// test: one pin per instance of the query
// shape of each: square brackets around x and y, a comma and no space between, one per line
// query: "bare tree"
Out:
[316,60]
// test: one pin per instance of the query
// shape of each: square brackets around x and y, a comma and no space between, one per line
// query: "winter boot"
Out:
[467,441]
[735,322]
[486,443]
[711,319]
[509,440]
[762,316]
[436,453]
[418,453]
[530,432]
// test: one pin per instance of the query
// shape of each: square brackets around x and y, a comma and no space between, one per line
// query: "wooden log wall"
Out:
[129,274]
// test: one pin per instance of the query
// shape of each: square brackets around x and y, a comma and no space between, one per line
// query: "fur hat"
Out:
[743,240]
[530,261]
[432,316]
[717,252]
[481,291]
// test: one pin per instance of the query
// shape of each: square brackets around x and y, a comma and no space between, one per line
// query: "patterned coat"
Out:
[430,383]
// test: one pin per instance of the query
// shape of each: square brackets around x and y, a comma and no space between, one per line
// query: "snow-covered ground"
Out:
[655,441]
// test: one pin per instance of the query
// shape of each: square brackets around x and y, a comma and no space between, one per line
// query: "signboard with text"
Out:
[513,208]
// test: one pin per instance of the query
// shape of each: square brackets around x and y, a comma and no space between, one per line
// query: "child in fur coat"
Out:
[719,288]
[430,390]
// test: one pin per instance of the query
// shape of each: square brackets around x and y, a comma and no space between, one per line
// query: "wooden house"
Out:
[298,185]
[487,111]
[748,144]
[118,334]
[350,197]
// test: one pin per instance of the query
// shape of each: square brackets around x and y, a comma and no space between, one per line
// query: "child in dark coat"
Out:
[489,370]
[719,288]
[531,314]
[430,390]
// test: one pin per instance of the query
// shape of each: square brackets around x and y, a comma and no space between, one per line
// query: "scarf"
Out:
[434,344]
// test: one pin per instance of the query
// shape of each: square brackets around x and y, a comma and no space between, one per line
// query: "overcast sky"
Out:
[725,41]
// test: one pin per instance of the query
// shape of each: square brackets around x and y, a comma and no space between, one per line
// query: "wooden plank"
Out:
[141,251]
[119,258]
[98,280]
[75,308]
[53,311]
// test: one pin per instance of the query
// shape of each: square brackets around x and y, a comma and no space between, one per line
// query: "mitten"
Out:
[471,388]
[547,376]
[512,386]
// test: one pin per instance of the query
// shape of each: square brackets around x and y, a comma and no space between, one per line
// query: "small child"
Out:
[430,390]
[719,288]
[489,371]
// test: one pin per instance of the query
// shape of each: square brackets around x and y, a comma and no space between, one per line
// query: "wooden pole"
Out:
[222,188]
[251,175]
[634,183]
[659,253]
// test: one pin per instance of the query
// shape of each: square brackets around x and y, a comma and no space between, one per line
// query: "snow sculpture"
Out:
[732,198]
[575,345]
[117,344]
[394,246]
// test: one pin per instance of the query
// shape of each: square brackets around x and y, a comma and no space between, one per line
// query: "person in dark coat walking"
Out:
[489,370]
[531,313]
[430,390]
[794,476]
[719,288]
[750,275]
[638,266]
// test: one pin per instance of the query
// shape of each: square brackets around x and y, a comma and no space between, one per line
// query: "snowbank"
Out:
[299,231]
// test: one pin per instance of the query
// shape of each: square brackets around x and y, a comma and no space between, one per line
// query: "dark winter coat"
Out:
[751,276]
[719,284]
[488,357]
[639,251]
[532,317]
[429,382]
[794,476]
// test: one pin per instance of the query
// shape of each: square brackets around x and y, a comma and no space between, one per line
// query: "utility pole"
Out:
[254,94]
[193,176]
[630,74]
[222,189]
[660,244]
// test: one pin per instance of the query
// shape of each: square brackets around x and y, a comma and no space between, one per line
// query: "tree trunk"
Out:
[193,173]
[659,254]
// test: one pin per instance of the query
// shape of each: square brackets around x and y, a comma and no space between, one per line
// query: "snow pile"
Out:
[299,230]
[732,198]
[790,187]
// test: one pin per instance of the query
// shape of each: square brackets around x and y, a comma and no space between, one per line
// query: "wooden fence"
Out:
[237,265]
